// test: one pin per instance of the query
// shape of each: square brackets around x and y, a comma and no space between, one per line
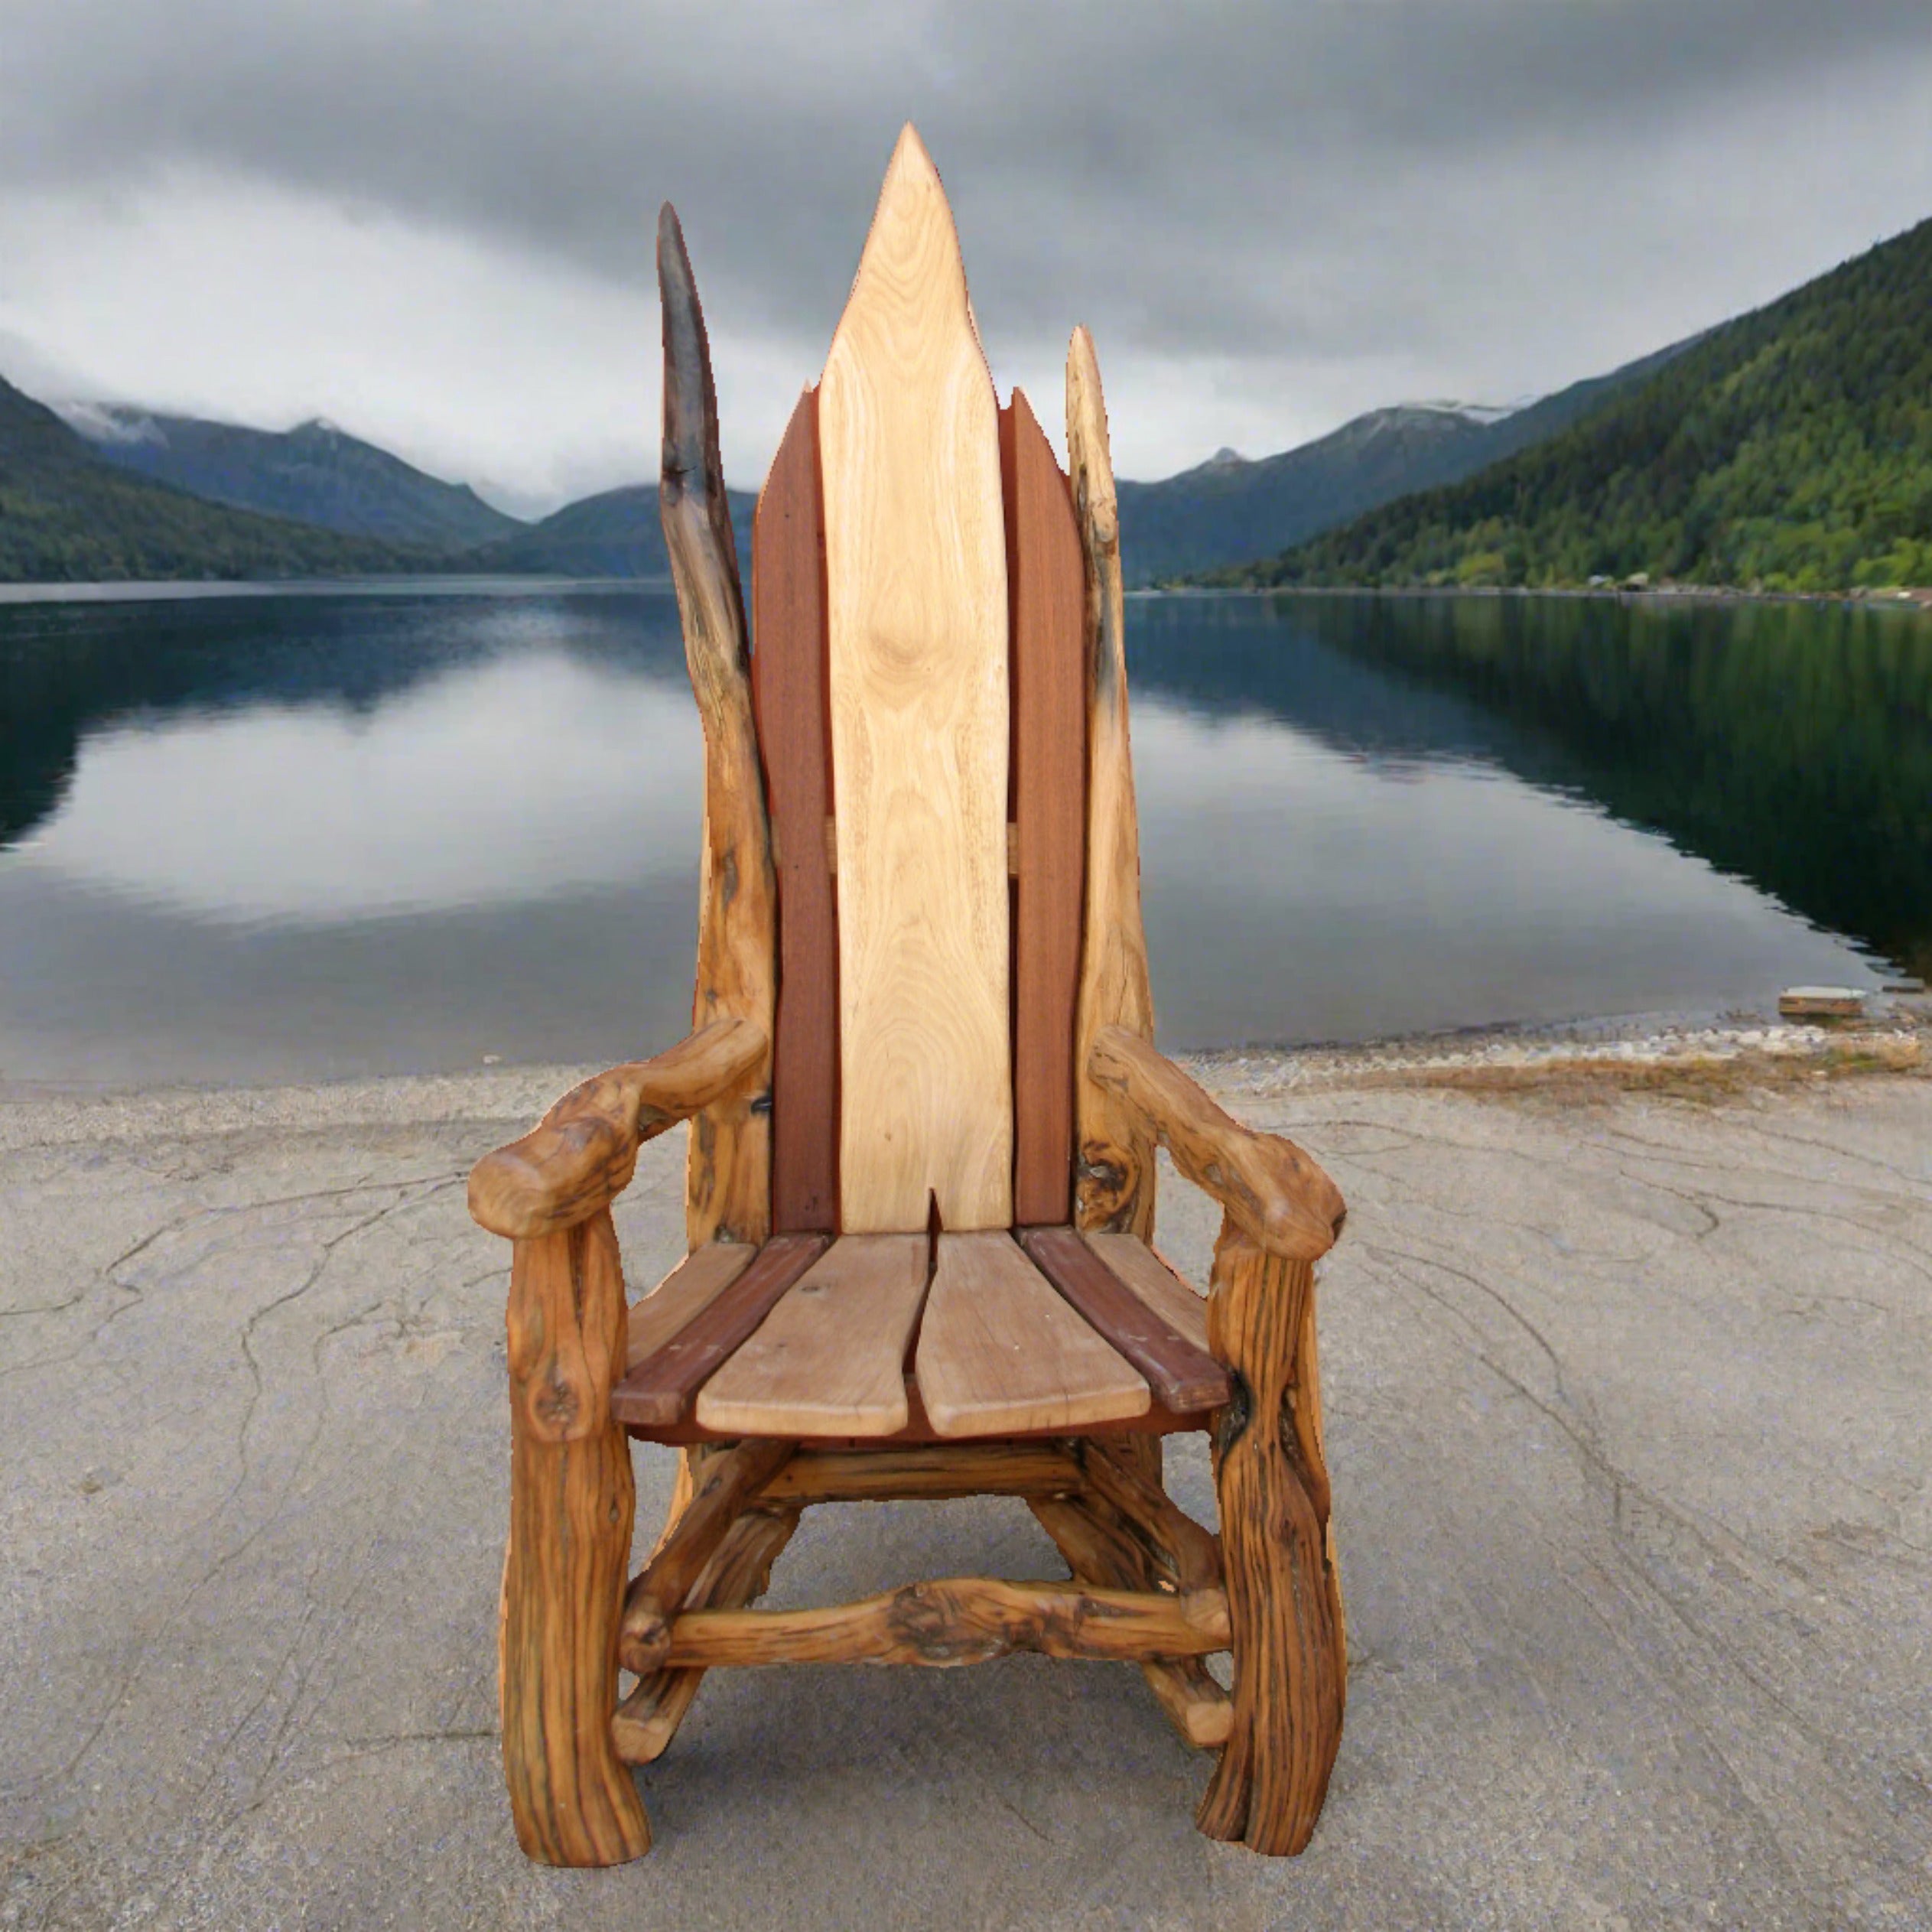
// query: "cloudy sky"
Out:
[432,219]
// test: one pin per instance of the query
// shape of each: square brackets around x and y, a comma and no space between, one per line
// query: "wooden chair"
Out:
[923,1108]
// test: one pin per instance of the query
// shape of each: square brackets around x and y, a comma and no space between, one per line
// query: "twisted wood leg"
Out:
[572,1497]
[1290,1673]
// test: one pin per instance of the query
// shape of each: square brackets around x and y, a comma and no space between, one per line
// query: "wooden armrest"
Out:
[582,1155]
[1272,1191]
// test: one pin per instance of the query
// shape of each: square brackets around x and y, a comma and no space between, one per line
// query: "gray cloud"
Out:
[1282,193]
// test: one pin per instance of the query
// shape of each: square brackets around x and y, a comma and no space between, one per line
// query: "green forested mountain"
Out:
[65,516]
[617,533]
[1790,450]
[315,474]
[1228,510]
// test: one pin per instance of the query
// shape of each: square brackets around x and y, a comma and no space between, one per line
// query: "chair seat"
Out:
[915,1337]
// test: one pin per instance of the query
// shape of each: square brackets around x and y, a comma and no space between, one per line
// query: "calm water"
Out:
[300,836]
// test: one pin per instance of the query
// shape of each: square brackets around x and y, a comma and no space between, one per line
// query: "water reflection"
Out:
[283,837]
[1790,744]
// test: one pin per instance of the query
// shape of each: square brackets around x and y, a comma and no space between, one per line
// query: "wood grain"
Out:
[1290,1678]
[1155,1280]
[658,1390]
[683,1295]
[571,1503]
[1183,1375]
[723,1486]
[728,1172]
[932,1474]
[1098,1550]
[788,687]
[1187,1553]
[916,622]
[1271,1189]
[829,1360]
[999,1350]
[1114,1175]
[582,1155]
[1046,600]
[960,1619]
[739,1573]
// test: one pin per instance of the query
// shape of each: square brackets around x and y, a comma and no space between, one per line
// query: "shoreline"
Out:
[1913,598]
[1646,1051]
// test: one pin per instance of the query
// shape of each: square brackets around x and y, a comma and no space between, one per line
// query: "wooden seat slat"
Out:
[657,1390]
[1000,1351]
[1180,1372]
[1148,1274]
[829,1360]
[682,1296]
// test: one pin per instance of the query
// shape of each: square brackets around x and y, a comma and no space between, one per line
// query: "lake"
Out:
[307,833]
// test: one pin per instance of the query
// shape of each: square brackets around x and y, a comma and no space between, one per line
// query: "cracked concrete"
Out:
[1631,1420]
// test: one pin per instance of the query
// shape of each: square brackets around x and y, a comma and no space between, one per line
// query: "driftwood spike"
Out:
[1114,1179]
[727,1185]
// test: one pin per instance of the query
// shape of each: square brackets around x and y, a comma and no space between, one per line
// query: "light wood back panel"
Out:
[916,619]
[788,687]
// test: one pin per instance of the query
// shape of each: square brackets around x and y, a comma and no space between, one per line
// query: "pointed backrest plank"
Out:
[916,619]
[787,684]
[1046,593]
[728,1172]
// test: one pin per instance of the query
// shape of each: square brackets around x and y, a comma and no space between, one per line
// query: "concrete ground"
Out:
[1630,1417]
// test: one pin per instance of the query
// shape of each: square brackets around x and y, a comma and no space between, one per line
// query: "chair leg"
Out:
[1289,1675]
[572,1498]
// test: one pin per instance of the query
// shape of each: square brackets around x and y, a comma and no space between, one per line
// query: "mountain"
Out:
[1789,449]
[1229,510]
[616,533]
[68,515]
[316,473]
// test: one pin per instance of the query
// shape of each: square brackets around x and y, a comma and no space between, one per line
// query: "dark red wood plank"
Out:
[1046,592]
[658,1390]
[1181,1376]
[789,695]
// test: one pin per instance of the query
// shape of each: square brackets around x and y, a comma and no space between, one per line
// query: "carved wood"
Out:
[1188,1552]
[916,617]
[1272,1190]
[1000,1351]
[580,1155]
[788,686]
[1114,1185]
[1289,1676]
[727,1175]
[1100,1549]
[1046,599]
[1156,1281]
[1181,1374]
[572,1502]
[739,1573]
[722,1486]
[657,1391]
[935,1474]
[681,1297]
[960,1619]
[829,1360]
